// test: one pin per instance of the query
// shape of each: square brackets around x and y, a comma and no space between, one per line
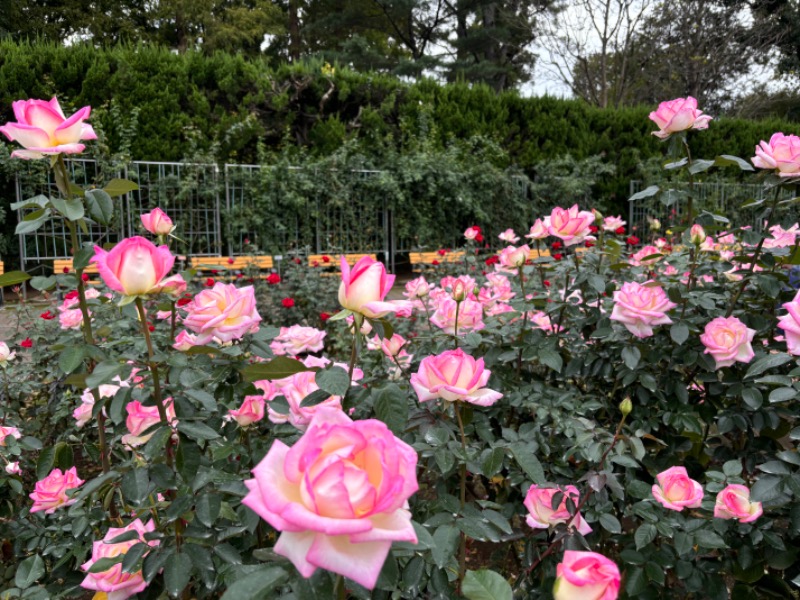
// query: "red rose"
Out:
[492,260]
[620,231]
[287,302]
[246,241]
[558,256]
[47,315]
[435,263]
[230,261]
[184,301]
[546,283]
[297,261]
[66,269]
[326,259]
[442,251]
[209,282]
[273,278]
[151,327]
[315,264]
[214,272]
[26,343]
[556,245]
[85,277]
[324,316]
[71,295]
[632,240]
[479,237]
[593,228]
[589,244]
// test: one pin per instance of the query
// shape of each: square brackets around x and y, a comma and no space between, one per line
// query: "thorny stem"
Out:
[455,327]
[357,320]
[462,549]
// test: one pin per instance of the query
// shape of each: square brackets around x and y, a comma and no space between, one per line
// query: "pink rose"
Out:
[12,468]
[467,283]
[5,353]
[781,153]
[251,411]
[113,582]
[790,323]
[697,235]
[541,321]
[678,115]
[51,492]
[470,316]
[8,431]
[417,288]
[297,387]
[641,307]
[728,341]
[509,236]
[726,239]
[184,341]
[613,223]
[586,576]
[454,375]
[224,312]
[734,503]
[512,257]
[472,232]
[83,413]
[71,319]
[339,495]
[297,339]
[676,491]
[782,238]
[134,267]
[43,129]
[541,514]
[640,258]
[157,222]
[538,231]
[141,418]
[364,287]
[571,225]
[391,346]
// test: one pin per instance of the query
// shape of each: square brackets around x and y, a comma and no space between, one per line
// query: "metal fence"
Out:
[232,211]
[722,198]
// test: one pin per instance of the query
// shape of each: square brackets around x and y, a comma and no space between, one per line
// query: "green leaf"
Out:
[335,381]
[528,462]
[445,539]
[13,278]
[256,585]
[278,368]
[766,489]
[391,407]
[551,358]
[314,398]
[177,571]
[43,283]
[40,201]
[610,523]
[70,358]
[94,485]
[101,206]
[493,461]
[752,397]
[28,571]
[679,333]
[700,165]
[118,187]
[631,356]
[782,394]
[728,160]
[136,485]
[485,585]
[770,361]
[104,372]
[130,564]
[207,508]
[72,209]
[207,401]
[644,535]
[645,193]
[104,564]
[45,462]
[32,222]
[197,430]
[709,539]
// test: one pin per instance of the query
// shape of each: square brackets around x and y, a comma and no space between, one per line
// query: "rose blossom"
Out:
[734,503]
[297,339]
[586,576]
[512,257]
[251,411]
[391,346]
[541,321]
[157,222]
[339,496]
[697,235]
[296,388]
[454,375]
[8,431]
[417,288]
[5,354]
[224,312]
[470,316]
[115,584]
[472,233]
[613,223]
[678,115]
[638,259]
[51,492]
[676,491]
[466,282]
[184,341]
[141,418]
[71,319]
[790,323]
[83,413]
[12,468]
[43,129]
[541,515]
[509,236]
[640,307]
[538,231]
[364,287]
[781,153]
[728,341]
[782,238]
[570,224]
[136,266]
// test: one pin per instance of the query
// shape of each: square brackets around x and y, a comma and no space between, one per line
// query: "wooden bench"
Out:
[64,265]
[335,260]
[534,254]
[427,260]
[229,266]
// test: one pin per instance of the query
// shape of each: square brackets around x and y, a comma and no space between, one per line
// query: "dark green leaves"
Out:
[278,368]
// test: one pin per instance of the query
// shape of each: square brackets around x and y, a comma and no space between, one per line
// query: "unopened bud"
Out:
[697,235]
[626,406]
[459,291]
[598,216]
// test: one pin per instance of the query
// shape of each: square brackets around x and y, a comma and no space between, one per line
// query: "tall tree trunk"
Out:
[294,31]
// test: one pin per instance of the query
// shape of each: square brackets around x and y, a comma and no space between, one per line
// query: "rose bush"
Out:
[618,418]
